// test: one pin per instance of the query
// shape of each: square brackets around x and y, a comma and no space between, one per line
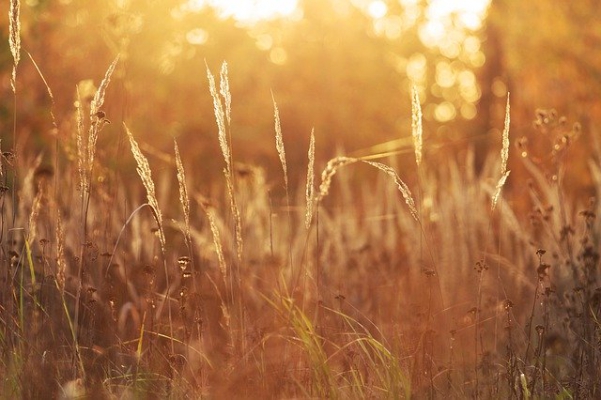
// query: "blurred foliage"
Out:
[546,55]
[331,66]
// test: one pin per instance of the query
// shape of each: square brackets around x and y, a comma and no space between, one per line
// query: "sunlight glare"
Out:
[377,9]
[470,14]
[248,11]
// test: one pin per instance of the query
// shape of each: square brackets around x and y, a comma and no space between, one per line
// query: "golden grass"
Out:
[14,38]
[81,146]
[145,174]
[505,146]
[504,158]
[184,198]
[221,114]
[368,328]
[97,116]
[416,125]
[224,90]
[61,262]
[310,189]
[336,163]
[220,118]
[279,142]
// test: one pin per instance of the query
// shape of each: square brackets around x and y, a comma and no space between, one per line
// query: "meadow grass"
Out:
[348,289]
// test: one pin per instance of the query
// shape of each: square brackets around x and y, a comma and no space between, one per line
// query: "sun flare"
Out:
[248,10]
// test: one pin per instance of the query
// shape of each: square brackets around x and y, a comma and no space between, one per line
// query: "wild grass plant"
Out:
[421,281]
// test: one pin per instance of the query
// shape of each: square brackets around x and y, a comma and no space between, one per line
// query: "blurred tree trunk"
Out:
[493,69]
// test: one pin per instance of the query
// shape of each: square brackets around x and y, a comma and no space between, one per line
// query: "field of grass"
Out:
[371,281]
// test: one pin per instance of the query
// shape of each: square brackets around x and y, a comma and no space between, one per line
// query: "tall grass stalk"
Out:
[222,114]
[310,188]
[145,174]
[184,200]
[222,109]
[281,150]
[14,39]
[417,136]
[14,42]
[416,125]
[86,150]
[97,116]
[482,266]
[504,157]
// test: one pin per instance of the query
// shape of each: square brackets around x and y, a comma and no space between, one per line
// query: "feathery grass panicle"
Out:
[310,190]
[416,125]
[224,89]
[208,210]
[14,39]
[504,158]
[279,142]
[336,163]
[96,120]
[500,184]
[184,199]
[217,242]
[505,146]
[146,176]
[220,118]
[81,150]
[61,262]
[402,186]
[328,173]
[236,215]
[98,100]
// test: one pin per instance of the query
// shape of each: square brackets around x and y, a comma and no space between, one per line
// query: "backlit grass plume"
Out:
[184,199]
[221,114]
[416,125]
[14,38]
[146,176]
[504,158]
[505,146]
[336,163]
[224,90]
[97,119]
[310,190]
[279,142]
[220,118]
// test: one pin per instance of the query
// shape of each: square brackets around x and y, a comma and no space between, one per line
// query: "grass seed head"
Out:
[505,146]
[14,38]
[224,89]
[279,142]
[310,190]
[220,118]
[146,176]
[184,199]
[416,125]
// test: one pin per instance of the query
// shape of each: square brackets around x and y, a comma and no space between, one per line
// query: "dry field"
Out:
[368,281]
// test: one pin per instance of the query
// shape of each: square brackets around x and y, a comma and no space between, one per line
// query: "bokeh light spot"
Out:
[445,112]
[278,56]
[499,88]
[197,36]
[468,111]
[264,42]
[445,77]
[416,67]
